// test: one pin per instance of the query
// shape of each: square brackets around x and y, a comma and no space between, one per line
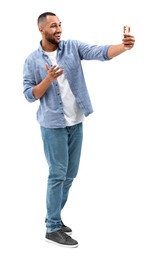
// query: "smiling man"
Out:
[53,75]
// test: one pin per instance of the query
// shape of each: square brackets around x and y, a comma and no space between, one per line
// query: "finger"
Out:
[57,69]
[47,66]
[58,73]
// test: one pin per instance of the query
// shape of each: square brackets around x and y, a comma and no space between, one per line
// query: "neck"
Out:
[47,46]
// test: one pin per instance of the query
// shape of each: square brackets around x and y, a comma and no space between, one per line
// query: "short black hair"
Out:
[42,16]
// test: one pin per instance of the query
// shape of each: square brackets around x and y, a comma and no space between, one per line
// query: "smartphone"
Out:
[126,29]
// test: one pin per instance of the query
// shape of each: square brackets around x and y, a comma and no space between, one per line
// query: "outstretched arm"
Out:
[127,43]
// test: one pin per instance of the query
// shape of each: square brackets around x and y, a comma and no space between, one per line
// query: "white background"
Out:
[107,206]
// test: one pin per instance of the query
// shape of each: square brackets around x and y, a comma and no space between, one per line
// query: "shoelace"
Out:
[63,235]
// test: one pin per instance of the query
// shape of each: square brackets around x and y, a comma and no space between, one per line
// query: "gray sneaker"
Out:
[64,228]
[60,238]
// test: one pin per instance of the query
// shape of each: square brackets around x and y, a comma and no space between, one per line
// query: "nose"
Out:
[59,29]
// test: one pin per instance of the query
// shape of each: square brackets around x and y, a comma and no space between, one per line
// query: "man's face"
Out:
[51,29]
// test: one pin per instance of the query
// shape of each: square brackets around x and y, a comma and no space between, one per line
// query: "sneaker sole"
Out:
[53,242]
[68,233]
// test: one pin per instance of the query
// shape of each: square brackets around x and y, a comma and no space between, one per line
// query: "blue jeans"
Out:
[62,147]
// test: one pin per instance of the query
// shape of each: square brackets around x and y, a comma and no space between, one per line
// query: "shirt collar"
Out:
[40,46]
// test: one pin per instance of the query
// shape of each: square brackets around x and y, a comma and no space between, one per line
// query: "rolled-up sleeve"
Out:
[105,51]
[28,81]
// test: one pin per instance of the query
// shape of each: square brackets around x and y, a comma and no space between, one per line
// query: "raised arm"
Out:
[127,43]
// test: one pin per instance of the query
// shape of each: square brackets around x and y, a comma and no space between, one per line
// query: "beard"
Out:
[50,39]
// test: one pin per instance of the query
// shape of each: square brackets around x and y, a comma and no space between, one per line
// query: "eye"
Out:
[53,25]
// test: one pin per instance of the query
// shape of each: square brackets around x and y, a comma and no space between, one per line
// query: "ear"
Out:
[40,29]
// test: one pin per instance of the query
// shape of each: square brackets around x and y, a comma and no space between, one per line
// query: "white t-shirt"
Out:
[72,112]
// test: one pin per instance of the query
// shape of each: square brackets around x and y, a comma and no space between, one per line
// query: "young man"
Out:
[53,74]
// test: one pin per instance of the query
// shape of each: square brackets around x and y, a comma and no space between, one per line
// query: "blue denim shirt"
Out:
[70,53]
